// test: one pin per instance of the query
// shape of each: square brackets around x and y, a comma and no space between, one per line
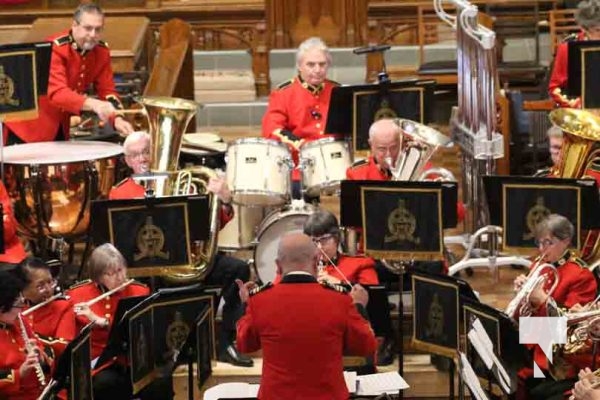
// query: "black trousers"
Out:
[113,383]
[225,271]
[546,389]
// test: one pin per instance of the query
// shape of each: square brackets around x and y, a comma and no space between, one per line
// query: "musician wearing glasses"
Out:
[14,252]
[50,315]
[587,17]
[24,362]
[137,149]
[298,108]
[303,327]
[576,286]
[79,60]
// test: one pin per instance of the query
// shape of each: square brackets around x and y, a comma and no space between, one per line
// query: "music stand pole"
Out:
[400,266]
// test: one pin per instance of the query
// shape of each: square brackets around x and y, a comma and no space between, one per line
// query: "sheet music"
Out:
[351,382]
[231,390]
[486,345]
[374,384]
[469,377]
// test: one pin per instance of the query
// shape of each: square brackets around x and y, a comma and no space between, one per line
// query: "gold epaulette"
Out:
[579,262]
[102,43]
[570,37]
[62,40]
[121,182]
[285,84]
[360,163]
[334,286]
[260,288]
[79,284]
[136,283]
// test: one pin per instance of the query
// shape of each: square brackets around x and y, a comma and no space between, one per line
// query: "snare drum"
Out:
[52,184]
[277,223]
[323,164]
[258,172]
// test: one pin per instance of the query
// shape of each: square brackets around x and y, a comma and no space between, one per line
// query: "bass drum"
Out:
[288,219]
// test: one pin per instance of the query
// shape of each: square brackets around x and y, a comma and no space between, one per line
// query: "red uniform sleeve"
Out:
[583,289]
[275,117]
[359,339]
[559,78]
[105,84]
[367,274]
[59,93]
[247,338]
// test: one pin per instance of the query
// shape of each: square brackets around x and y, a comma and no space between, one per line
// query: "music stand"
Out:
[519,203]
[584,81]
[73,370]
[24,71]
[156,235]
[352,109]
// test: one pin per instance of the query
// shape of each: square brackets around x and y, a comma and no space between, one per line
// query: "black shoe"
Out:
[232,356]
[385,353]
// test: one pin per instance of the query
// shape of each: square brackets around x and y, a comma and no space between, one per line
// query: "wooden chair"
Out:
[562,24]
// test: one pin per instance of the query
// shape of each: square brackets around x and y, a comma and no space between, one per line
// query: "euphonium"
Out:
[418,143]
[519,305]
[582,329]
[167,120]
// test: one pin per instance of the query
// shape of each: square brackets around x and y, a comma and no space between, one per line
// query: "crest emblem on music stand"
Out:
[7,89]
[177,333]
[150,241]
[435,320]
[385,111]
[401,225]
[534,216]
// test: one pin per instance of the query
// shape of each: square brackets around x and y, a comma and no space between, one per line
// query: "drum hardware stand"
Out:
[382,76]
[492,261]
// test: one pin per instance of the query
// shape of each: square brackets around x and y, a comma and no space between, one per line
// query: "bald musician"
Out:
[303,349]
[137,149]
[80,59]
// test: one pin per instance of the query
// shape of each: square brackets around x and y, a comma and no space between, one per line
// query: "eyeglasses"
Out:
[139,154]
[46,285]
[322,239]
[545,242]
[114,272]
[90,28]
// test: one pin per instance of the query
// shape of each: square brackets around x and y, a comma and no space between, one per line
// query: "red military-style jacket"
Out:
[12,347]
[14,252]
[54,324]
[358,269]
[72,71]
[576,284]
[368,170]
[129,189]
[105,308]
[560,75]
[304,329]
[299,108]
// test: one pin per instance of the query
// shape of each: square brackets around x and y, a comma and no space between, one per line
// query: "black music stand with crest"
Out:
[519,203]
[156,235]
[73,371]
[402,221]
[353,109]
[584,80]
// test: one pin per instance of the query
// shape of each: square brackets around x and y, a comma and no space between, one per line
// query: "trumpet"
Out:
[42,304]
[519,305]
[93,301]
[29,348]
[595,382]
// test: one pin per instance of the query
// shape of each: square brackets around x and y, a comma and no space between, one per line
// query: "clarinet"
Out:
[29,349]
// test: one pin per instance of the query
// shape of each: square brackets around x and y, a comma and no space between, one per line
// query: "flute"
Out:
[29,348]
[42,304]
[93,301]
[334,266]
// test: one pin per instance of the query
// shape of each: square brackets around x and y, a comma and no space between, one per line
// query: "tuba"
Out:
[167,120]
[418,143]
[581,133]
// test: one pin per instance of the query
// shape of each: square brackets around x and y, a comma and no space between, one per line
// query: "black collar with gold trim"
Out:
[315,90]
[566,256]
[5,326]
[298,278]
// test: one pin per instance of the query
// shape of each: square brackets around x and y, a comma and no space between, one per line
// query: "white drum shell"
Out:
[324,163]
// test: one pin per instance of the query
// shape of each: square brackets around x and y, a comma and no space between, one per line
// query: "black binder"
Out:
[584,80]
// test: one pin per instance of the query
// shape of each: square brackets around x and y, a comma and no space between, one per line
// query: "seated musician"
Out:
[576,286]
[107,270]
[79,60]
[53,318]
[14,252]
[19,376]
[588,18]
[298,108]
[226,269]
[555,143]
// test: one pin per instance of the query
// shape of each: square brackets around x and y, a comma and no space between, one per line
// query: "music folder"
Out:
[584,80]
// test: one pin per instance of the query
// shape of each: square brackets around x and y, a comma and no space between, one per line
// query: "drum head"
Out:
[59,152]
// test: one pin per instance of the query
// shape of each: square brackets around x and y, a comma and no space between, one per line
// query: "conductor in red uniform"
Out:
[79,60]
[303,349]
[18,379]
[53,322]
[588,18]
[297,110]
[576,287]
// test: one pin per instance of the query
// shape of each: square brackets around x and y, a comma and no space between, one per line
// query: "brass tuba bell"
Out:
[167,120]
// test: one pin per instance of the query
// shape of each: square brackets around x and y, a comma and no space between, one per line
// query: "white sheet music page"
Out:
[351,382]
[374,384]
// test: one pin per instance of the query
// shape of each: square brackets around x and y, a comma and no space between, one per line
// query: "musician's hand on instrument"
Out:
[538,296]
[84,310]
[323,276]
[123,126]
[219,187]
[577,308]
[245,289]
[359,295]
[584,390]
[104,109]
[519,282]
[28,365]
[585,373]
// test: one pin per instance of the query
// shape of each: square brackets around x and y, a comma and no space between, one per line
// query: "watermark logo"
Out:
[543,331]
